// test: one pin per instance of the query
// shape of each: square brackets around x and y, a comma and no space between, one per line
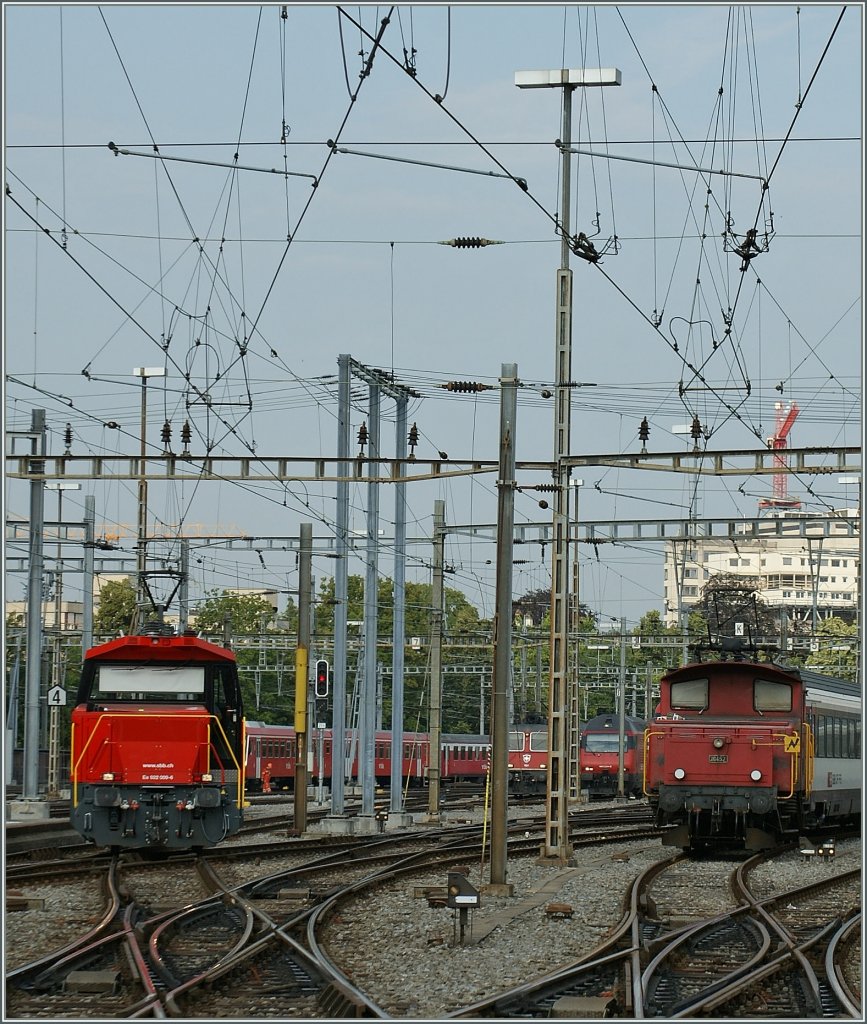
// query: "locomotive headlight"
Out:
[755,775]
[207,777]
[718,742]
[108,776]
[679,773]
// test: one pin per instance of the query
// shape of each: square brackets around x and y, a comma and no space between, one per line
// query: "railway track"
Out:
[240,930]
[782,956]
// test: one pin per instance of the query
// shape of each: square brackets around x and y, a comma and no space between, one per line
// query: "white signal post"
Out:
[561,705]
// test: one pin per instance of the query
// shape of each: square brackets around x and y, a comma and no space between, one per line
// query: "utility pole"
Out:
[621,713]
[141,561]
[302,654]
[367,738]
[87,596]
[341,588]
[503,624]
[560,703]
[33,678]
[399,609]
[57,661]
[436,668]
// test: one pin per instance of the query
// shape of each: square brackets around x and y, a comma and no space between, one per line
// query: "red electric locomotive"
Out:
[157,744]
[528,758]
[746,753]
[599,756]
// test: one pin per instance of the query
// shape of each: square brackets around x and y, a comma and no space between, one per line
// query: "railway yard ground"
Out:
[623,923]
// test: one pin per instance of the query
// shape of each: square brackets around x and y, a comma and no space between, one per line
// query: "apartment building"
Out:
[807,572]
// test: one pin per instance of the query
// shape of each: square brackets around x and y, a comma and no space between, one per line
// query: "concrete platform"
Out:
[28,810]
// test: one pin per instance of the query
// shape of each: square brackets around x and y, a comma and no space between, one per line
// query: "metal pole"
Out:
[399,611]
[141,547]
[621,713]
[560,703]
[503,624]
[53,788]
[305,558]
[184,588]
[371,621]
[33,681]
[341,588]
[436,647]
[87,596]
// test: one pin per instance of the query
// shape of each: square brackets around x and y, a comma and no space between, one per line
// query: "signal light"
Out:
[320,686]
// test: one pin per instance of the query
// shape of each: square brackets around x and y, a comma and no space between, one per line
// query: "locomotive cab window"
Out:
[183,684]
[539,740]
[770,695]
[689,693]
[601,742]
[516,741]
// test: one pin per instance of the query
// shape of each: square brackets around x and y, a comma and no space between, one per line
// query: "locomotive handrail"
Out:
[233,758]
[809,756]
[75,762]
[647,737]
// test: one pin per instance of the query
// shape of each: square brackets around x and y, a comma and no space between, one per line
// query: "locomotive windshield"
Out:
[149,682]
[602,742]
[770,695]
[516,741]
[690,693]
[539,740]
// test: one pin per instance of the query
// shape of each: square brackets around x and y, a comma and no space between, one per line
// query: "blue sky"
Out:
[364,273]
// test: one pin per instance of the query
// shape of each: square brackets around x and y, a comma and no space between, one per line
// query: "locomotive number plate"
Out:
[718,758]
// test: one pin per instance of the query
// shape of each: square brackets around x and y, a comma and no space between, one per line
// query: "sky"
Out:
[246,285]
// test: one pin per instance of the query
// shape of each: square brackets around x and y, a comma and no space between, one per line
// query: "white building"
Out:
[818,571]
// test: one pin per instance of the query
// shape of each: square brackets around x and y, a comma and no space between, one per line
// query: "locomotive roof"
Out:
[159,648]
[812,680]
[629,722]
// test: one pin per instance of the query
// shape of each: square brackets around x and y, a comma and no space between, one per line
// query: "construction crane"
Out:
[785,419]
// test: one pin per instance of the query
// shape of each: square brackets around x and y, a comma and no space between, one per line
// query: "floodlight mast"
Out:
[562,697]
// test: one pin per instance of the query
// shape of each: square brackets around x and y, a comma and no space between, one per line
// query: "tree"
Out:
[246,612]
[838,649]
[116,610]
[729,598]
[537,605]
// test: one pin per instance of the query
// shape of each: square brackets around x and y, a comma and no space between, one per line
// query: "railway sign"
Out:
[57,697]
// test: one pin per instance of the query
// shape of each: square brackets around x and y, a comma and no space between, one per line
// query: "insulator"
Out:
[413,435]
[362,435]
[166,433]
[546,487]
[644,430]
[695,430]
[67,436]
[471,243]
[466,386]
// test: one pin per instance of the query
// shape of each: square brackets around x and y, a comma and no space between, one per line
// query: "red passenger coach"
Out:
[157,744]
[747,753]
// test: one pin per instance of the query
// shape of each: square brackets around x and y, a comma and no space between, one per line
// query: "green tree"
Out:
[116,607]
[246,613]
[729,598]
[838,649]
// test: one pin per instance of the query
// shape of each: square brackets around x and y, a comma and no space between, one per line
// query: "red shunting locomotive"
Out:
[157,744]
[748,754]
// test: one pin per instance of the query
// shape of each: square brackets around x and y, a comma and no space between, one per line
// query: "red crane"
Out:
[785,419]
